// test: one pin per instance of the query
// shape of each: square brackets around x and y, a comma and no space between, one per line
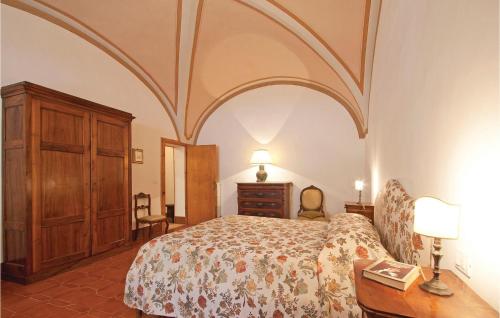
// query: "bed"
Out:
[245,266]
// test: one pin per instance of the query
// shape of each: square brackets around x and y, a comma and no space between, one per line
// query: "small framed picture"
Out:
[137,156]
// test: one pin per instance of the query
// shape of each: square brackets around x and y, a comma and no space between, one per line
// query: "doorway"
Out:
[173,189]
[189,176]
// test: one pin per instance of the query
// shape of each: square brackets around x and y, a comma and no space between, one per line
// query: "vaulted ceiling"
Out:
[196,54]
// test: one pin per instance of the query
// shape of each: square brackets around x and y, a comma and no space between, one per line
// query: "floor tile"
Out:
[93,290]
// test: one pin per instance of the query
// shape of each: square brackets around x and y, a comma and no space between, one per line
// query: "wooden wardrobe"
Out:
[66,180]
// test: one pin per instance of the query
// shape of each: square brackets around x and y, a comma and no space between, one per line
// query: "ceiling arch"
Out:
[248,46]
[228,46]
[353,110]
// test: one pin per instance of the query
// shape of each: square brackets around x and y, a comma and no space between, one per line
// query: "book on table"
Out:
[391,273]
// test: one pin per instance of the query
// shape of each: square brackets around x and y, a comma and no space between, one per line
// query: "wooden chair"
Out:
[149,219]
[311,205]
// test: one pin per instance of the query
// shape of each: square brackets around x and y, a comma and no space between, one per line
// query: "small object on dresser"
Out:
[261,157]
[359,185]
[391,273]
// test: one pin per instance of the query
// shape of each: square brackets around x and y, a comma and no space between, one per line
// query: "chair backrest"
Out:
[311,199]
[142,205]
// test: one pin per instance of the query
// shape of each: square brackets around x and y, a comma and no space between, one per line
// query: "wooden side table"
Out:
[377,300]
[366,209]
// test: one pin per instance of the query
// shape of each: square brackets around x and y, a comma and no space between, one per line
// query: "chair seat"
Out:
[319,218]
[311,214]
[152,218]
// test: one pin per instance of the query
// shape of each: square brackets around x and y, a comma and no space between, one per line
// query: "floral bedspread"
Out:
[235,266]
[244,266]
[350,237]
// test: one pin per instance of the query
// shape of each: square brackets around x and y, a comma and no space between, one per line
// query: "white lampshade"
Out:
[260,157]
[436,218]
[359,185]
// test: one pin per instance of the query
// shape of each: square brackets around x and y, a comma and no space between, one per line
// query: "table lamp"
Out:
[359,185]
[437,219]
[261,157]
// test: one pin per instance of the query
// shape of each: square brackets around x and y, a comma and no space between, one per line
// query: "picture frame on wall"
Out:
[137,156]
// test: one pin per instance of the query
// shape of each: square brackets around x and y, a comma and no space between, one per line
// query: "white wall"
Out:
[169,175]
[43,53]
[434,119]
[180,182]
[310,136]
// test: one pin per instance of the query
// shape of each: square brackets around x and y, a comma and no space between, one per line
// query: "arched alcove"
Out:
[310,136]
[353,110]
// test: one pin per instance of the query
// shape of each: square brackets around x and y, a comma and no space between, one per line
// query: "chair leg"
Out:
[136,230]
[166,227]
[150,226]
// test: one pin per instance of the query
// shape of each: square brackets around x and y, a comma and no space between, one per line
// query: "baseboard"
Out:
[180,219]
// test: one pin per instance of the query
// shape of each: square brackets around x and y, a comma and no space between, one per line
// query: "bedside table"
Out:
[366,209]
[377,300]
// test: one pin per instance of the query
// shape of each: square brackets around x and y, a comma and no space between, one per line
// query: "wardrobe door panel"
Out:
[62,169]
[63,175]
[110,170]
[110,229]
[110,192]
[109,136]
[68,241]
[62,128]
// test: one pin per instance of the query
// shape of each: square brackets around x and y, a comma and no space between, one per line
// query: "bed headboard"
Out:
[394,213]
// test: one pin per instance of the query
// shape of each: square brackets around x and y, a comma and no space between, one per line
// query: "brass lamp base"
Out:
[436,287]
[261,174]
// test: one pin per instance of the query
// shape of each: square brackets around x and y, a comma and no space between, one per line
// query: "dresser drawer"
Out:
[266,213]
[261,194]
[261,204]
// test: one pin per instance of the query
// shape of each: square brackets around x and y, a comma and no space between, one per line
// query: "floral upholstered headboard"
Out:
[394,213]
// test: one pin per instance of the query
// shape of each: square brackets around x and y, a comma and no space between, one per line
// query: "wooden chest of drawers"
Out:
[267,199]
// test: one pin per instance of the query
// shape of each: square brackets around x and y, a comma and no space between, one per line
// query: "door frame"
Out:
[164,142]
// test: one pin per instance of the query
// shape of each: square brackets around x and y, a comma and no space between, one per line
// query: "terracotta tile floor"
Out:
[93,290]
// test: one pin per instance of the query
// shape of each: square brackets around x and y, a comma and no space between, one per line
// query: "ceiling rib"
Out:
[199,11]
[187,38]
[177,52]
